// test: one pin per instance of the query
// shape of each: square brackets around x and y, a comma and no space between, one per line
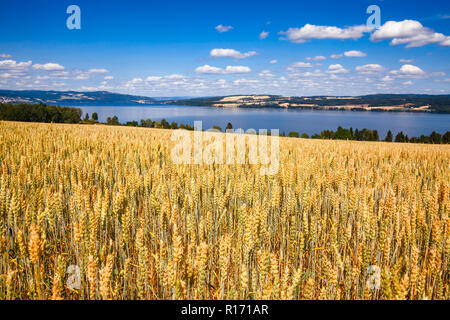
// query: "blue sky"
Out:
[204,48]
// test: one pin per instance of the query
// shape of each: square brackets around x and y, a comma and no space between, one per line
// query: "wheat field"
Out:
[340,220]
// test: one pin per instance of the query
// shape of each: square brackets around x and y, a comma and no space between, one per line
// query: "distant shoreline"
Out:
[257,108]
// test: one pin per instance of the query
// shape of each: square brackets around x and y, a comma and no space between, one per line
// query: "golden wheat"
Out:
[110,201]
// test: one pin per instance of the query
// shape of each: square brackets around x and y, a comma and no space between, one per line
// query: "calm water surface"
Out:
[413,124]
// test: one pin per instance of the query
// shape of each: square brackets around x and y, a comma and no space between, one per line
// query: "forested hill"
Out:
[72,98]
[378,102]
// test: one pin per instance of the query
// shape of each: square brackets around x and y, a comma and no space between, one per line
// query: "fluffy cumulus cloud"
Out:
[301,65]
[349,54]
[337,69]
[266,74]
[354,53]
[336,56]
[222,28]
[174,77]
[409,32]
[370,68]
[244,82]
[316,58]
[13,66]
[136,81]
[207,69]
[94,71]
[156,82]
[153,78]
[48,67]
[5,56]
[408,71]
[263,35]
[85,75]
[309,31]
[231,53]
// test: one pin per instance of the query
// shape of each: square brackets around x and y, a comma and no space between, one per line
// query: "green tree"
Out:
[400,137]
[305,136]
[435,138]
[446,137]
[165,124]
[389,136]
[95,116]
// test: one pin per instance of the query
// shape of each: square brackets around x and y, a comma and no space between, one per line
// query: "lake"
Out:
[308,121]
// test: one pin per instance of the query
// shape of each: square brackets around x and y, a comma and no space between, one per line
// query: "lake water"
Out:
[308,121]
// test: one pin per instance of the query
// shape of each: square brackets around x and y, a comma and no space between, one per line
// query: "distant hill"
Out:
[377,102]
[72,98]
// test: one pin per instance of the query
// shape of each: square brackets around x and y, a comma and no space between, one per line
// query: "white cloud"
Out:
[5,56]
[266,74]
[407,83]
[153,78]
[337,69]
[354,53]
[13,66]
[301,65]
[409,32]
[316,58]
[408,71]
[349,54]
[273,61]
[136,81]
[174,76]
[263,35]
[231,53]
[244,82]
[222,28]
[370,68]
[98,71]
[207,69]
[82,76]
[308,32]
[109,78]
[48,67]
[316,73]
[237,69]
[406,60]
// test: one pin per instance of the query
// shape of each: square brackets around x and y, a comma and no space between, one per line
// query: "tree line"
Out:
[39,113]
[57,114]
[372,135]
